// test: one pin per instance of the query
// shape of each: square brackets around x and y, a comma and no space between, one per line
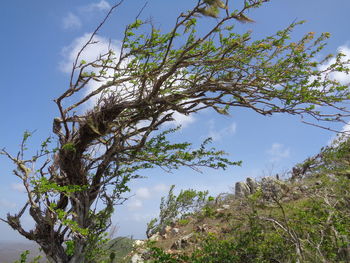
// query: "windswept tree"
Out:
[73,188]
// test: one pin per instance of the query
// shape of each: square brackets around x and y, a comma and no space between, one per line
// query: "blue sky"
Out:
[38,38]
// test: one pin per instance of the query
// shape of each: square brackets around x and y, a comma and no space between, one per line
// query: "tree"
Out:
[155,75]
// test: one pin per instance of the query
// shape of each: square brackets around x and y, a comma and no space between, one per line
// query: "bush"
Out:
[176,207]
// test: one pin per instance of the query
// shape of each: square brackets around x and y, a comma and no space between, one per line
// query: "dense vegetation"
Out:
[304,219]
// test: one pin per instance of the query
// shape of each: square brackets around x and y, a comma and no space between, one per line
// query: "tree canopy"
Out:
[155,75]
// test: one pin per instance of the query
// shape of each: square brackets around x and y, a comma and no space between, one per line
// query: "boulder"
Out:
[136,258]
[182,242]
[155,237]
[202,228]
[138,243]
[271,187]
[226,207]
[175,231]
[252,184]
[241,189]
[165,230]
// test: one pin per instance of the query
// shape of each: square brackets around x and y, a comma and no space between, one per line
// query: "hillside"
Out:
[10,251]
[302,218]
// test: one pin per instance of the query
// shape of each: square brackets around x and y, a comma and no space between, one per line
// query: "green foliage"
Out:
[314,227]
[24,258]
[68,147]
[183,221]
[159,151]
[70,247]
[208,211]
[43,185]
[176,207]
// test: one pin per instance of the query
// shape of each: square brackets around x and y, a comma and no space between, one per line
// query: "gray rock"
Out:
[173,222]
[138,243]
[136,259]
[226,207]
[303,188]
[182,242]
[202,228]
[271,187]
[155,237]
[252,184]
[165,230]
[220,211]
[318,183]
[241,189]
[175,231]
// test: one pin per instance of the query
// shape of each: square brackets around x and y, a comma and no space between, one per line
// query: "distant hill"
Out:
[10,251]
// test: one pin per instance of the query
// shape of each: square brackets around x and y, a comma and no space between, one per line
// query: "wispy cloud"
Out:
[341,136]
[134,204]
[143,193]
[342,77]
[71,22]
[278,152]
[92,52]
[18,187]
[7,204]
[183,120]
[218,135]
[161,188]
[100,6]
[142,217]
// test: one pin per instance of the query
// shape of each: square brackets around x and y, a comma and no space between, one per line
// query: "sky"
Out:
[38,42]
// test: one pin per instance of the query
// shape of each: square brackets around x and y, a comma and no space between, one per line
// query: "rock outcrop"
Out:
[269,186]
[243,189]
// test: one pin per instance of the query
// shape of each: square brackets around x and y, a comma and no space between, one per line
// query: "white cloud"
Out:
[134,204]
[144,218]
[71,22]
[161,188]
[277,152]
[183,120]
[19,187]
[7,204]
[91,52]
[343,78]
[341,136]
[180,120]
[100,6]
[217,135]
[143,193]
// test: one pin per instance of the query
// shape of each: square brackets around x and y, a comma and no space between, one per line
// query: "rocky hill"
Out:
[303,218]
